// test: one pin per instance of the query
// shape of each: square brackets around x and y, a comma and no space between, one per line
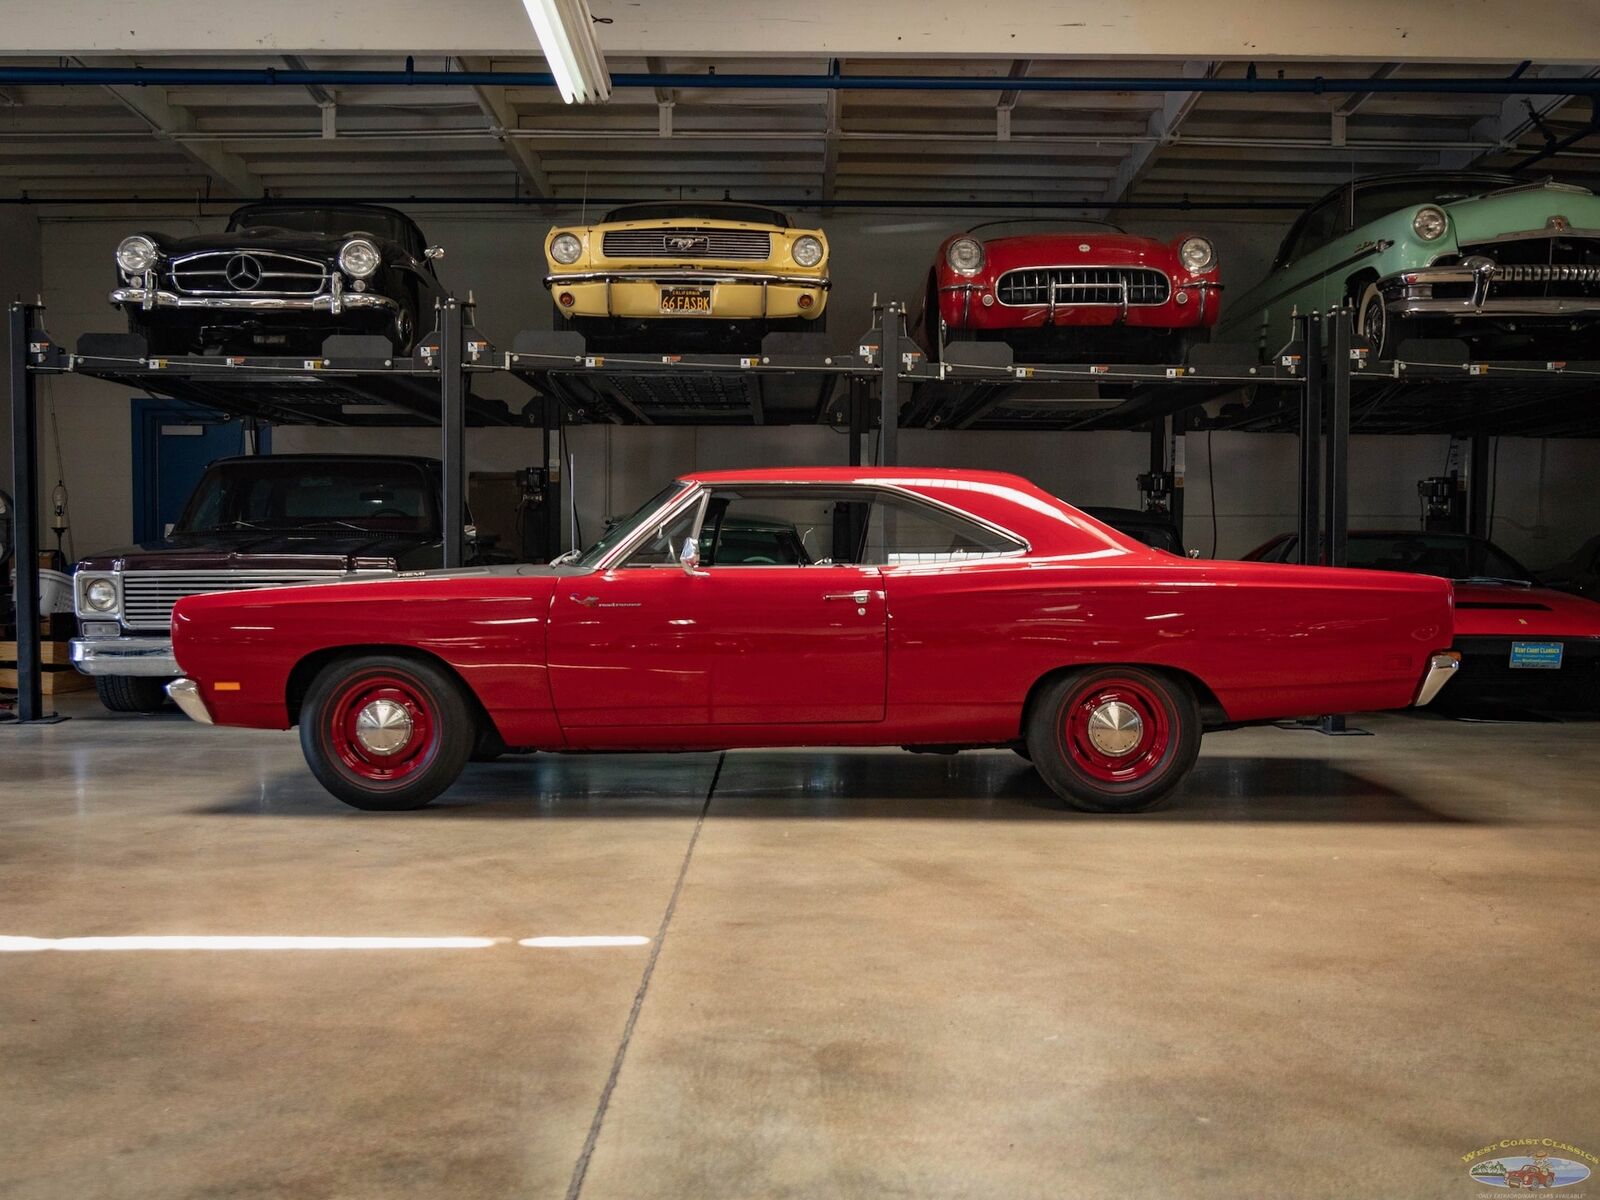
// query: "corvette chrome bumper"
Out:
[124,656]
[335,301]
[185,694]
[1440,668]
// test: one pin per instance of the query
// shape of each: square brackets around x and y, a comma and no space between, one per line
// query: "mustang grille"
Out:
[250,272]
[687,243]
[1083,285]
[148,596]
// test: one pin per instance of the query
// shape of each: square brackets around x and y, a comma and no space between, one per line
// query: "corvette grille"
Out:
[230,272]
[1082,285]
[148,596]
[688,243]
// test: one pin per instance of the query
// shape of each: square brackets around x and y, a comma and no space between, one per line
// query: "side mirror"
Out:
[166,530]
[689,557]
[433,252]
[1194,554]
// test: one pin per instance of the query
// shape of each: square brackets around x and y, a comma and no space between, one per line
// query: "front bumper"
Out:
[150,295]
[1441,667]
[185,694]
[124,656]
[1413,293]
[974,305]
[735,294]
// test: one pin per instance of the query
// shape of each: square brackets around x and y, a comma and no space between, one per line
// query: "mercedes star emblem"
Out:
[243,272]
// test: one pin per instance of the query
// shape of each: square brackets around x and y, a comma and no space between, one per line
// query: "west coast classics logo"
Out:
[1529,1163]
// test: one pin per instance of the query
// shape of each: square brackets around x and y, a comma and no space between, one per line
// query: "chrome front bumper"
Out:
[1410,293]
[185,694]
[688,275]
[149,296]
[1440,668]
[124,656]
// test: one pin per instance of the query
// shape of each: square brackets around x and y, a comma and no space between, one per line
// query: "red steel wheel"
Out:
[386,731]
[1114,739]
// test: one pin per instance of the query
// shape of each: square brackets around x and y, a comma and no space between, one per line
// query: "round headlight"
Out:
[1430,223]
[359,257]
[807,251]
[965,255]
[136,254]
[1196,255]
[566,249]
[100,595]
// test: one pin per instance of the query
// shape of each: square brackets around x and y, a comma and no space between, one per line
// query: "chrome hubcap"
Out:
[1115,728]
[383,727]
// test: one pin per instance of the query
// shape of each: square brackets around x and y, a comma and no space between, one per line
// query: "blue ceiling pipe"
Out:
[617,201]
[1513,84]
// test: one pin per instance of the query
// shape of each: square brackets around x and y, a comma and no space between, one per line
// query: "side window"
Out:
[905,531]
[1318,228]
[665,543]
[782,527]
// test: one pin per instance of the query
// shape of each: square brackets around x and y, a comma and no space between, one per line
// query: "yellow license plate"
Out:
[686,300]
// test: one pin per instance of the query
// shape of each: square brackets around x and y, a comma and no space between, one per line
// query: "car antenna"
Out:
[583,207]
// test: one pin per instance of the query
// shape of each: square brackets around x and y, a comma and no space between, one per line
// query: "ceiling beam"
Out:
[1517,115]
[502,117]
[830,139]
[1352,104]
[1008,100]
[169,121]
[1161,129]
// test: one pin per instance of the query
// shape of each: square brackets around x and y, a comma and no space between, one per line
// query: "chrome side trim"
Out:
[1440,668]
[150,656]
[185,694]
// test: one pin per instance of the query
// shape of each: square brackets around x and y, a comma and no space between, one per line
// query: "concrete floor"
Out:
[1332,967]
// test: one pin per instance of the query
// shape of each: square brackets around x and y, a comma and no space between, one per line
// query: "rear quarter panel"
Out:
[489,630]
[1269,641]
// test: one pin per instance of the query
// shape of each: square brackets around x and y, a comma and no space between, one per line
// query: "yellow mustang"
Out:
[666,270]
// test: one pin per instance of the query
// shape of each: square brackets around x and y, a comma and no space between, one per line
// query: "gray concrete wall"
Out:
[1546,503]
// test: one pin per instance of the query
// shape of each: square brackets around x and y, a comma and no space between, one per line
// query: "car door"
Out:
[780,632]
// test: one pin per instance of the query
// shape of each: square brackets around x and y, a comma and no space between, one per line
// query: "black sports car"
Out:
[279,280]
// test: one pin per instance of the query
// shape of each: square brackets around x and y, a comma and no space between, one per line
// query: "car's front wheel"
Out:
[1114,739]
[386,732]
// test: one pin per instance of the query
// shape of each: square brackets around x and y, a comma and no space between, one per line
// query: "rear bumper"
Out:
[1489,680]
[1441,668]
[735,294]
[150,656]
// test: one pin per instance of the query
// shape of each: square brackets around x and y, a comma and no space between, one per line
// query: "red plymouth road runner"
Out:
[826,606]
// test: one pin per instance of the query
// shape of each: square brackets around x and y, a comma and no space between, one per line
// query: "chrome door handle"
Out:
[860,597]
[586,601]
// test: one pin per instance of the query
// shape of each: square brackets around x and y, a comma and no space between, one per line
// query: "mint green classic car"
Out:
[1485,258]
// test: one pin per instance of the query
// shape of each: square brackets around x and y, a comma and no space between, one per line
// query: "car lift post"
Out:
[1337,369]
[1478,486]
[25,488]
[551,413]
[856,399]
[452,425]
[1310,543]
[889,386]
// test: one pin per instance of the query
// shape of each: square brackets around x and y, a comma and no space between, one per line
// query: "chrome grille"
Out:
[1558,267]
[148,596]
[687,243]
[228,272]
[1082,285]
[1551,273]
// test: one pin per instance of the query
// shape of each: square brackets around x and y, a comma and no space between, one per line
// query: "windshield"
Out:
[1377,200]
[1451,555]
[754,214]
[367,497]
[335,222]
[1021,226]
[622,530]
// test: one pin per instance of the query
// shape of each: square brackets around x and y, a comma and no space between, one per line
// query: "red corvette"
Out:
[1081,290]
[803,607]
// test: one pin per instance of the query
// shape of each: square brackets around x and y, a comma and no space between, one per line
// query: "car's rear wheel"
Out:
[1114,739]
[386,732]
[131,693]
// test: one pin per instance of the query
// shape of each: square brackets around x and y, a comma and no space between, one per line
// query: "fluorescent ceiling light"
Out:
[567,943]
[566,35]
[213,942]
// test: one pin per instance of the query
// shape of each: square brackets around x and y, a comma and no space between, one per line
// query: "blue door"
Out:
[173,443]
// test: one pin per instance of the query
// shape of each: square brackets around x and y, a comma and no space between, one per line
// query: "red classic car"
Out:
[900,607]
[1075,289]
[1521,645]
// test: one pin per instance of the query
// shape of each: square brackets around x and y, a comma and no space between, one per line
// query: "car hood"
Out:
[273,550]
[315,244]
[1521,210]
[1509,610]
[1066,249]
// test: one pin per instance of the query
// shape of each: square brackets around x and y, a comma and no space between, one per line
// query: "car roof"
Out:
[855,475]
[410,459]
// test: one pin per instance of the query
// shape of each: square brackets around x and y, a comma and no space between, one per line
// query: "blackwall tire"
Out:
[131,693]
[386,732]
[1114,739]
